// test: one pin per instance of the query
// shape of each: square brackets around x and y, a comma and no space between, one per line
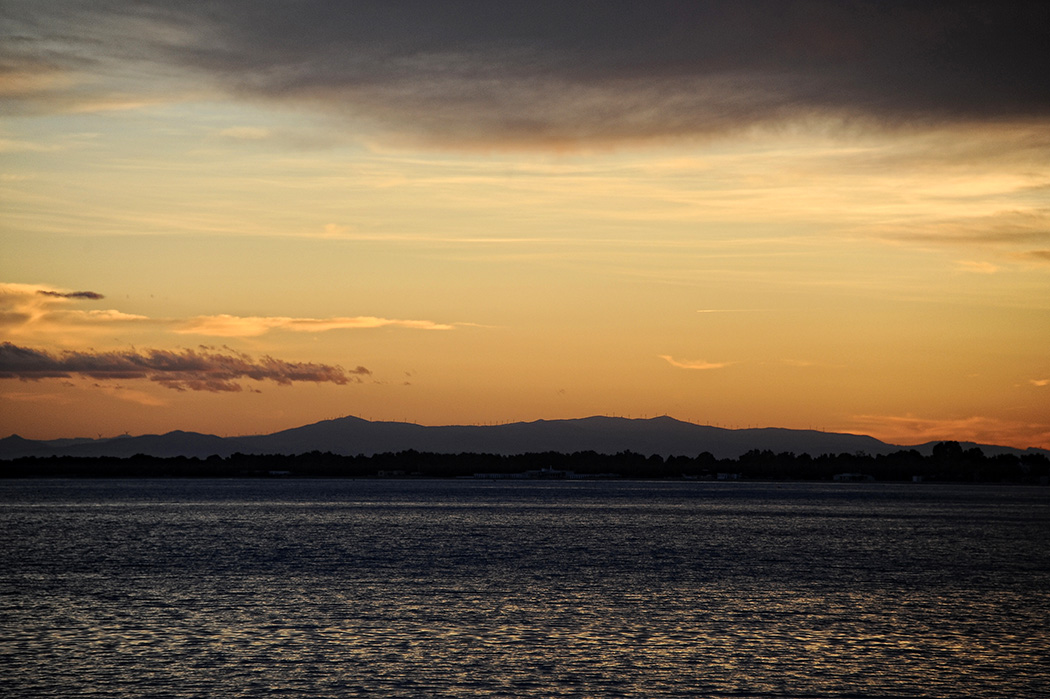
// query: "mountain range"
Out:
[606,435]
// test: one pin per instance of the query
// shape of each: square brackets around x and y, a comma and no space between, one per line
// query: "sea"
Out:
[470,588]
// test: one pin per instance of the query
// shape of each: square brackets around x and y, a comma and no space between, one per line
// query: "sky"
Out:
[242,216]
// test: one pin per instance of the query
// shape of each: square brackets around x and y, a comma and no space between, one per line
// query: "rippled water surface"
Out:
[332,588]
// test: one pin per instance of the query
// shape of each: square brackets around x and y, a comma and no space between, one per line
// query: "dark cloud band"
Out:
[474,71]
[610,71]
[200,370]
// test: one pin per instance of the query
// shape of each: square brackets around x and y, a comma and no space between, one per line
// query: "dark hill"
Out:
[352,436]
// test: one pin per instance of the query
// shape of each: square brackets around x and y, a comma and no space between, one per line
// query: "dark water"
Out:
[320,588]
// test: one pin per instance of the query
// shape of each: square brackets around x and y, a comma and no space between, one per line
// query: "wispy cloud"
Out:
[246,133]
[1016,227]
[977,267]
[693,363]
[53,399]
[8,145]
[131,395]
[251,326]
[1039,382]
[205,369]
[30,78]
[1019,233]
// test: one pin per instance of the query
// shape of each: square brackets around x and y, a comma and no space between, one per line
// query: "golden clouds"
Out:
[31,310]
[42,313]
[39,311]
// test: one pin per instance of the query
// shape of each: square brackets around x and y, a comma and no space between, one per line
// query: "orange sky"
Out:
[785,216]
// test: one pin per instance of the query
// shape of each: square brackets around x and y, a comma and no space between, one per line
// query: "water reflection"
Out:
[313,588]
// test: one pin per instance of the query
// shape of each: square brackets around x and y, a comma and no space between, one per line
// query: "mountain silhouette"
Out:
[606,435]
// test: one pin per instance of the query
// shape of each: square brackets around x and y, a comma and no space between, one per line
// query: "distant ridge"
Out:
[606,435]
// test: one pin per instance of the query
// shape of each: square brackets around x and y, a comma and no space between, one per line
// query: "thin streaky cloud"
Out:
[976,267]
[98,317]
[695,364]
[252,326]
[802,363]
[1039,382]
[330,232]
[1015,227]
[246,133]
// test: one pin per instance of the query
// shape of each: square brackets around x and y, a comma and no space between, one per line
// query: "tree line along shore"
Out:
[948,462]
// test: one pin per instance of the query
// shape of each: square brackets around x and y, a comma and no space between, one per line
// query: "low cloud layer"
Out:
[552,72]
[911,429]
[205,369]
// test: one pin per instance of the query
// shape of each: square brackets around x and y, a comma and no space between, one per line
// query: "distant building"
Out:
[728,476]
[546,474]
[853,477]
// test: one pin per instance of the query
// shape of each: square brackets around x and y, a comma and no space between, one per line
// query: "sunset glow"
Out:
[258,215]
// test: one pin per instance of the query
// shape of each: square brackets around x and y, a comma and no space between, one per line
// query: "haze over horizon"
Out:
[241,217]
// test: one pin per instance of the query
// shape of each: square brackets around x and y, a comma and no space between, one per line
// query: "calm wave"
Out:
[522,589]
